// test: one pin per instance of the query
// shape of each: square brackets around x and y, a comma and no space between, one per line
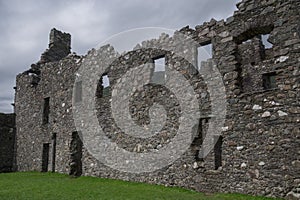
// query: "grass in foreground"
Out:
[35,185]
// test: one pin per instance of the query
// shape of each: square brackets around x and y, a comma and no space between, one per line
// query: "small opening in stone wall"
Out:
[265,41]
[249,34]
[198,139]
[218,151]
[197,142]
[255,45]
[45,157]
[78,91]
[53,151]
[204,53]
[159,72]
[105,82]
[160,64]
[46,110]
[253,48]
[103,89]
[269,80]
[76,155]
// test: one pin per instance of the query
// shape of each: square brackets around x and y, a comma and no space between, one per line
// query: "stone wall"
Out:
[59,46]
[260,142]
[7,142]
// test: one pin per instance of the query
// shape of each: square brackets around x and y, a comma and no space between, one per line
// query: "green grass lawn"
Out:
[35,185]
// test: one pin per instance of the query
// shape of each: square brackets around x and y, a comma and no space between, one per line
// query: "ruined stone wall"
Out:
[7,142]
[260,146]
[56,82]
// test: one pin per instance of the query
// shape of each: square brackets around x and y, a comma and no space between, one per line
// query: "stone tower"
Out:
[59,46]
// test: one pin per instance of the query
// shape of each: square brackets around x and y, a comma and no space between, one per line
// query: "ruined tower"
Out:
[59,46]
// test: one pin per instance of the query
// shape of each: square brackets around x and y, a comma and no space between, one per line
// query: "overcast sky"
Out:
[25,26]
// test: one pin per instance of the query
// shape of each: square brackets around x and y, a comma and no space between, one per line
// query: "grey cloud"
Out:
[6,106]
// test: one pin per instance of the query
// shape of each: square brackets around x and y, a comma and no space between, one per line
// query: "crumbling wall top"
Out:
[59,46]
[58,38]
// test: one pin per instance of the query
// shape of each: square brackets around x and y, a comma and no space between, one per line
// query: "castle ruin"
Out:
[258,151]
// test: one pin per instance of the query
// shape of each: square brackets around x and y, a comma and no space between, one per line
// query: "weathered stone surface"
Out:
[256,107]
[294,194]
[266,114]
[281,113]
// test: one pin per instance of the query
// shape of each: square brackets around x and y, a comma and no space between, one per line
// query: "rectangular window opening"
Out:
[269,80]
[218,152]
[78,91]
[204,54]
[46,110]
[53,151]
[159,72]
[105,81]
[76,155]
[45,157]
[198,139]
[104,86]
[159,64]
